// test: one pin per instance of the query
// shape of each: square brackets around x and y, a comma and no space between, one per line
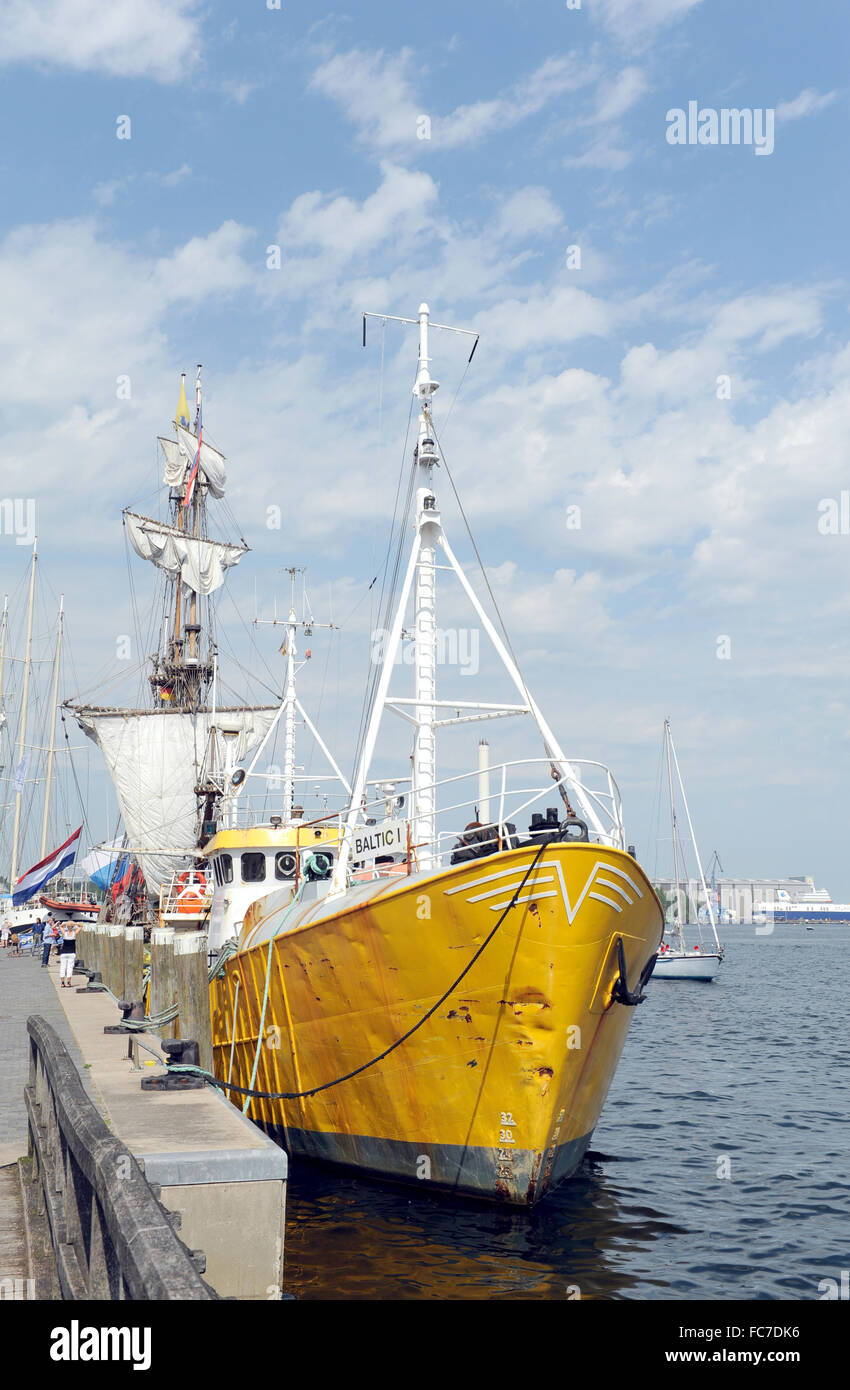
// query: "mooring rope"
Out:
[250,1093]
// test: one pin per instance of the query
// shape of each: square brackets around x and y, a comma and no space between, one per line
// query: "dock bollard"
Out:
[130,1009]
[178,1052]
[95,984]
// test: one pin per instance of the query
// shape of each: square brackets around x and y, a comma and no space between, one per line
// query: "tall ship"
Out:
[172,756]
[435,985]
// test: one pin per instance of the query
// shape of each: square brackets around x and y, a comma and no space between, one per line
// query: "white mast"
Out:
[668,739]
[51,747]
[23,728]
[424,828]
[484,782]
[429,713]
[290,706]
[289,715]
[696,849]
[3,625]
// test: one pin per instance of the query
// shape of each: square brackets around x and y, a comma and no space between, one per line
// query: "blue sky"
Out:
[594,387]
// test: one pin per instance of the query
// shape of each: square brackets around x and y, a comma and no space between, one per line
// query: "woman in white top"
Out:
[67,952]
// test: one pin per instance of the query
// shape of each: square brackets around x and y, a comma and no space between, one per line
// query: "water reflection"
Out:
[348,1237]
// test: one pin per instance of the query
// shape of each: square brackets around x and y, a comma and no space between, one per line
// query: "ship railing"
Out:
[517,792]
[256,810]
[188,893]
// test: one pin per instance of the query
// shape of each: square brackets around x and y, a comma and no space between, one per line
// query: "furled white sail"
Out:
[155,759]
[175,462]
[180,455]
[199,562]
[212,469]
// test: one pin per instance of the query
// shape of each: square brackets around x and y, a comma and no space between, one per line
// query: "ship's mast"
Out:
[709,904]
[425,610]
[667,742]
[290,705]
[3,625]
[23,726]
[180,668]
[54,699]
[289,702]
[423,709]
[193,628]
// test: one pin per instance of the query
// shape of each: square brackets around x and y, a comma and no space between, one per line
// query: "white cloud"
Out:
[808,103]
[176,176]
[378,95]
[603,153]
[545,316]
[618,94]
[80,310]
[526,213]
[346,228]
[375,92]
[158,39]
[630,19]
[211,264]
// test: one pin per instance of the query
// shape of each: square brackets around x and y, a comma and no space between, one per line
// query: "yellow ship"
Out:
[419,990]
[496,1092]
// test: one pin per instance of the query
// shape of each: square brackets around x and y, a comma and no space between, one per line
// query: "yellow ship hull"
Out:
[497,1092]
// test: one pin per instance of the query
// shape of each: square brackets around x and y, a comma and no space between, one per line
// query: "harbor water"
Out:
[720,1168]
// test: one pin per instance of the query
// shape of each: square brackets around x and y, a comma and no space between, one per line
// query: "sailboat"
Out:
[440,996]
[678,961]
[171,760]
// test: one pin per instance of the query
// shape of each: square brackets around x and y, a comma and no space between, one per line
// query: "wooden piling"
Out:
[192,983]
[113,974]
[134,950]
[163,983]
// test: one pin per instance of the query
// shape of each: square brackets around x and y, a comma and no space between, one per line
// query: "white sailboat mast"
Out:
[51,751]
[709,903]
[668,740]
[22,736]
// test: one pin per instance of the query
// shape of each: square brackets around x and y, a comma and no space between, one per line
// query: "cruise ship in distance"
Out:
[816,906]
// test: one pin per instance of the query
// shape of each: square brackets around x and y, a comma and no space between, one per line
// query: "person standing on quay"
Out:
[48,939]
[67,953]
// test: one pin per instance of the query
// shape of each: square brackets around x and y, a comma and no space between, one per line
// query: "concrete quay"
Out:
[223,1176]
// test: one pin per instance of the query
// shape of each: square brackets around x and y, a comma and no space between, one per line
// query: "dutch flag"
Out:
[36,877]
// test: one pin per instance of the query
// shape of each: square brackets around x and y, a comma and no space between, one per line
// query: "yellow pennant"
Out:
[182,415]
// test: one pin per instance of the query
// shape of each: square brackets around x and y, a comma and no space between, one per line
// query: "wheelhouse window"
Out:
[225,868]
[253,867]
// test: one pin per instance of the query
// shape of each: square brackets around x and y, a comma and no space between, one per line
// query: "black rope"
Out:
[298,1095]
